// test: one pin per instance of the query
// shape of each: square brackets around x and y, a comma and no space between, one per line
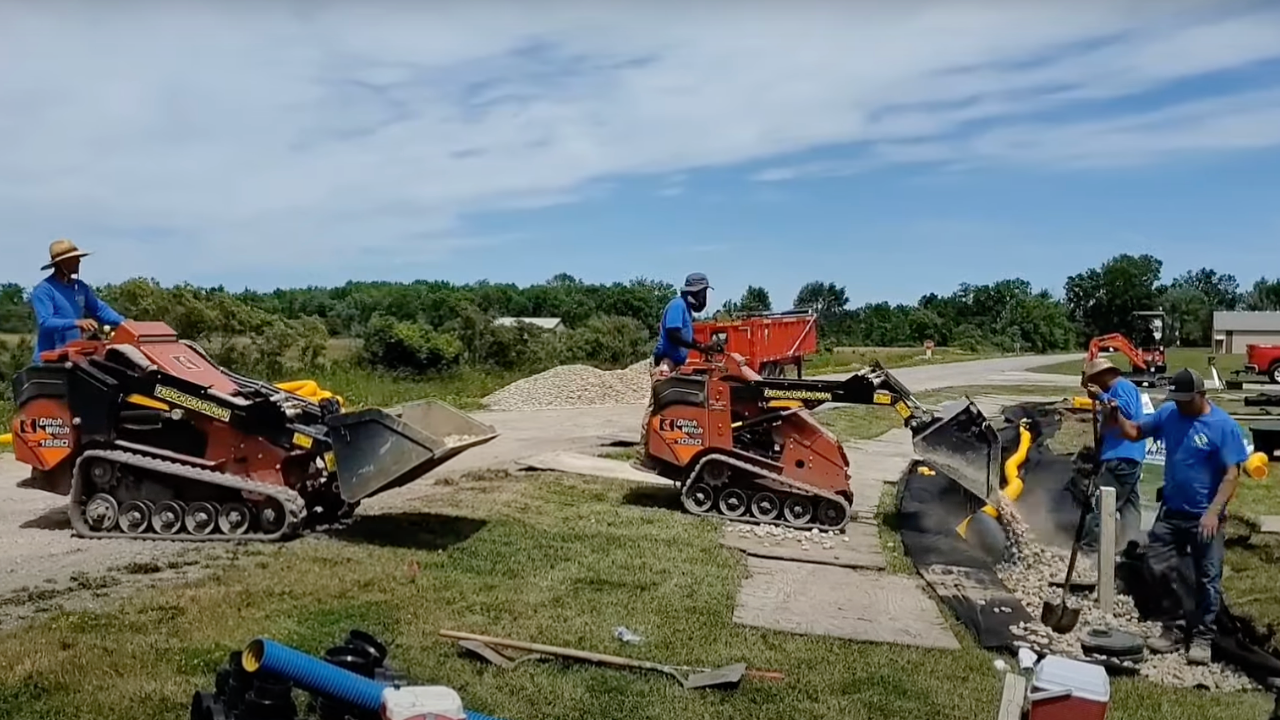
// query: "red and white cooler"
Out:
[1066,689]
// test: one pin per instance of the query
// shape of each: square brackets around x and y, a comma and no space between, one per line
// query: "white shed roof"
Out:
[548,323]
[1246,321]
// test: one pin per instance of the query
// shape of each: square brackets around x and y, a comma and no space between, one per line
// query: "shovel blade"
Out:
[727,676]
[1058,617]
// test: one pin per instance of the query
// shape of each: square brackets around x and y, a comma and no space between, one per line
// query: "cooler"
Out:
[1066,689]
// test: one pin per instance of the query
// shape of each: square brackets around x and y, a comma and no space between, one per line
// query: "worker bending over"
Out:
[675,336]
[64,304]
[1121,458]
[1203,452]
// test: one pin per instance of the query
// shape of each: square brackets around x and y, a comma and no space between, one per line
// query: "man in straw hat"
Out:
[1121,458]
[64,304]
[1204,448]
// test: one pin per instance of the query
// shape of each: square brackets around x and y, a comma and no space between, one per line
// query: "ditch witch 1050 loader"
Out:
[151,439]
[746,447]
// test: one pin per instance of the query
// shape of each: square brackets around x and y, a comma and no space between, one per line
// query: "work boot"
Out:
[1170,641]
[1201,652]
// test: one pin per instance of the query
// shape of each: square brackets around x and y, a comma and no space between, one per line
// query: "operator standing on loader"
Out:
[64,304]
[1203,452]
[675,336]
[1121,458]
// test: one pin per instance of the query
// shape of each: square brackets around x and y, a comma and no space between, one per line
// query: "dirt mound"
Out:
[575,386]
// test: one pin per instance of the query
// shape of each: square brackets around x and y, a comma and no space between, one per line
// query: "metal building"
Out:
[1232,330]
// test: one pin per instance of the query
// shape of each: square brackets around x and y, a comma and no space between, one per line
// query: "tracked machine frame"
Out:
[150,439]
[748,448]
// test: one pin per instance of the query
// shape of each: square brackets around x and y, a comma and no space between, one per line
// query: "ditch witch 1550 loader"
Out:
[150,438]
[747,448]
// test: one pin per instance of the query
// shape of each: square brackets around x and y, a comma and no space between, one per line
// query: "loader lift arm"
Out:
[874,385]
[1119,343]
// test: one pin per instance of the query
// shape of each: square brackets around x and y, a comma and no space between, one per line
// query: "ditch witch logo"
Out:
[45,432]
[679,430]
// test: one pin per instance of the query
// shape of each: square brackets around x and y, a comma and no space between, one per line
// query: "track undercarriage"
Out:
[726,487]
[124,494]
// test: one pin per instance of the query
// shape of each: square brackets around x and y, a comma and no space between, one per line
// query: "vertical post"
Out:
[1107,551]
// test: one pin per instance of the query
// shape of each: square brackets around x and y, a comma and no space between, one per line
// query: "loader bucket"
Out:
[962,443]
[378,450]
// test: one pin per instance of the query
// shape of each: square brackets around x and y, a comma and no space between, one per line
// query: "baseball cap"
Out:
[695,282]
[1185,385]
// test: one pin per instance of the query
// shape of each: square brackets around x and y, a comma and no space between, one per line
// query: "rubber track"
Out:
[295,507]
[798,488]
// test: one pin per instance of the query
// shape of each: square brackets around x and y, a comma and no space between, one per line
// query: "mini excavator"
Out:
[747,448]
[150,438]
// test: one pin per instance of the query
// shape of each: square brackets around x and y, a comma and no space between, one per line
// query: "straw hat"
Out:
[1099,366]
[63,249]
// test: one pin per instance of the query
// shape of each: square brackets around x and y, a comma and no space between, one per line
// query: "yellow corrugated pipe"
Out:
[309,389]
[1013,481]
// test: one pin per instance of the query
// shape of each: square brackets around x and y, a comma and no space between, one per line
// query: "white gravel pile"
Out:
[575,386]
[1029,570]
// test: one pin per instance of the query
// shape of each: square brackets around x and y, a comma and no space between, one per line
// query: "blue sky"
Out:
[895,148]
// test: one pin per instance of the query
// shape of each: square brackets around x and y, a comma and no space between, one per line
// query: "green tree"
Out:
[1264,295]
[1104,299]
[755,299]
[16,315]
[1220,291]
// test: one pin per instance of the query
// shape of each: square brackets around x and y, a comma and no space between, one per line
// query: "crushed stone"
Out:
[575,386]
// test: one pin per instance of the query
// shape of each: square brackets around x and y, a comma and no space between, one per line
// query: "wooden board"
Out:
[862,550]
[1269,524]
[1012,697]
[571,462]
[862,605]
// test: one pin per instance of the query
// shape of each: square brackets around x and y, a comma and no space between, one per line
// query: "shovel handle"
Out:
[593,657]
[558,651]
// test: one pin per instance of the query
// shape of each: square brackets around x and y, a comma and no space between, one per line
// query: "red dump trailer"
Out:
[770,343]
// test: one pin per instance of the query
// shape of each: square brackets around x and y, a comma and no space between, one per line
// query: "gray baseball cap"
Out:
[1185,385]
[695,282]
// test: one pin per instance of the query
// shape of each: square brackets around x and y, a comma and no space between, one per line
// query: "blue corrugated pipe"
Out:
[319,677]
[312,674]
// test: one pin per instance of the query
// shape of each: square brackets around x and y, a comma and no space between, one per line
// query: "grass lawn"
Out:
[1175,358]
[539,557]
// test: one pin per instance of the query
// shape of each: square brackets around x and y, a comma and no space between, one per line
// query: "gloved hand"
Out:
[712,348]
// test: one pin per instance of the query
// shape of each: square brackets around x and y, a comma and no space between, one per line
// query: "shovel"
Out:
[1058,617]
[728,676]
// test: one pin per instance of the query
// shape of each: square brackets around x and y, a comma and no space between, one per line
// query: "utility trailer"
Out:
[770,343]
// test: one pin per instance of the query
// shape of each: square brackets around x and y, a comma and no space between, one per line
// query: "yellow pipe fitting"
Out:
[6,439]
[1256,466]
[1013,481]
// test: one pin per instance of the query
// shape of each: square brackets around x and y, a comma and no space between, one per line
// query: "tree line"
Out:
[429,326]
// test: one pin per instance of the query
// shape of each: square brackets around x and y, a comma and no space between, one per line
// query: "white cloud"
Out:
[302,132]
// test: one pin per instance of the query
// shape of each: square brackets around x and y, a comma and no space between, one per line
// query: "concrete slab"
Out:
[580,464]
[861,605]
[861,551]
[1269,524]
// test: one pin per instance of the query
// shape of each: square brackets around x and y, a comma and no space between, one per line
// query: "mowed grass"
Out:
[1176,358]
[537,557]
[554,559]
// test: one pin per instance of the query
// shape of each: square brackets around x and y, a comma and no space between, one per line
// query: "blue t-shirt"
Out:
[1198,451]
[676,315]
[1114,446]
[58,305]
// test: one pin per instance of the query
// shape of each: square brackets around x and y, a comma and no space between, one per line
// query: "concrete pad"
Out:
[580,464]
[1269,524]
[862,550]
[867,606]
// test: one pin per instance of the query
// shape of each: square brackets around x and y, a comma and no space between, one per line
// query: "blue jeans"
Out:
[1177,533]
[1123,475]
